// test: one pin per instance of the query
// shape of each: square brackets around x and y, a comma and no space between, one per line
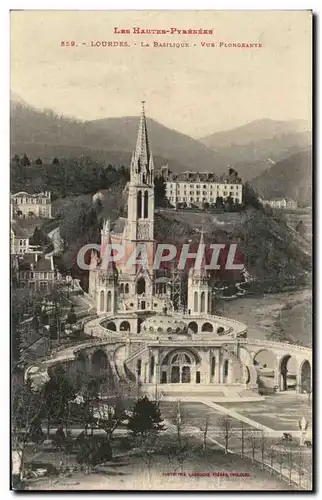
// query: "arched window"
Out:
[207,327]
[226,364]
[126,288]
[213,366]
[125,326]
[195,301]
[202,302]
[139,205]
[111,326]
[102,300]
[122,288]
[140,286]
[109,301]
[146,205]
[193,327]
[152,363]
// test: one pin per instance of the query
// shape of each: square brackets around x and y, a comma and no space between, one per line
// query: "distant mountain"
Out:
[290,178]
[112,140]
[251,148]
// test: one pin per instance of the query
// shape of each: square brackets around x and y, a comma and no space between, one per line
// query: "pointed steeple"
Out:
[200,271]
[142,152]
[142,166]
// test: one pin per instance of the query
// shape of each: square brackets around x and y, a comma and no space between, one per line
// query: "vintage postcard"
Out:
[161,250]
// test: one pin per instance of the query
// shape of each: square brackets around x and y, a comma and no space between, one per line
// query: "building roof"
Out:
[35,262]
[202,177]
[34,195]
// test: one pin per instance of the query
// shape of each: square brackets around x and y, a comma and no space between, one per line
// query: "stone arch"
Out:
[102,300]
[99,362]
[165,359]
[146,205]
[207,327]
[109,301]
[140,286]
[125,326]
[111,326]
[179,366]
[265,364]
[126,288]
[202,302]
[265,358]
[304,377]
[195,301]
[139,205]
[287,378]
[193,326]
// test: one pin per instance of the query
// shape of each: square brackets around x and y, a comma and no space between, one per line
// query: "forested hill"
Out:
[110,140]
[290,178]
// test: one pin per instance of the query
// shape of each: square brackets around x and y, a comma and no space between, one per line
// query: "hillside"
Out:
[253,147]
[290,178]
[43,133]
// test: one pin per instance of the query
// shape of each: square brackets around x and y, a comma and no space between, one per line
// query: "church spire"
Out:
[200,271]
[142,152]
[142,161]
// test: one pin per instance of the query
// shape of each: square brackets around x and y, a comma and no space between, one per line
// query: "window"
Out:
[213,366]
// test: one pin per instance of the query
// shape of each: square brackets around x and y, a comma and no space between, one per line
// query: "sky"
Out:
[195,90]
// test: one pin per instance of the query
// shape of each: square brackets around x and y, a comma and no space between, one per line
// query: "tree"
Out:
[146,416]
[226,426]
[71,316]
[160,191]
[219,202]
[55,161]
[204,431]
[38,161]
[25,160]
[27,411]
[252,439]
[57,393]
[250,197]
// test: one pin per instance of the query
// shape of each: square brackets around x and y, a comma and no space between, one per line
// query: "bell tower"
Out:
[199,288]
[141,188]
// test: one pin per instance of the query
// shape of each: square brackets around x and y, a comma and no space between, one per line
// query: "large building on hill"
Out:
[200,188]
[31,205]
[147,338]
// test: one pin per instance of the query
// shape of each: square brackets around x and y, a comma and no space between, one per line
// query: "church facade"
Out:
[143,336]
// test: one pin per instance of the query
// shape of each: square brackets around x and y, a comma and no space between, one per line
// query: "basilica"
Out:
[144,335]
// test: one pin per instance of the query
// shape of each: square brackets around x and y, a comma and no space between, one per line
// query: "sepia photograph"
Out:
[161,250]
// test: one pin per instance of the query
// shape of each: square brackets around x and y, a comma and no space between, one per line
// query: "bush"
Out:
[93,450]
